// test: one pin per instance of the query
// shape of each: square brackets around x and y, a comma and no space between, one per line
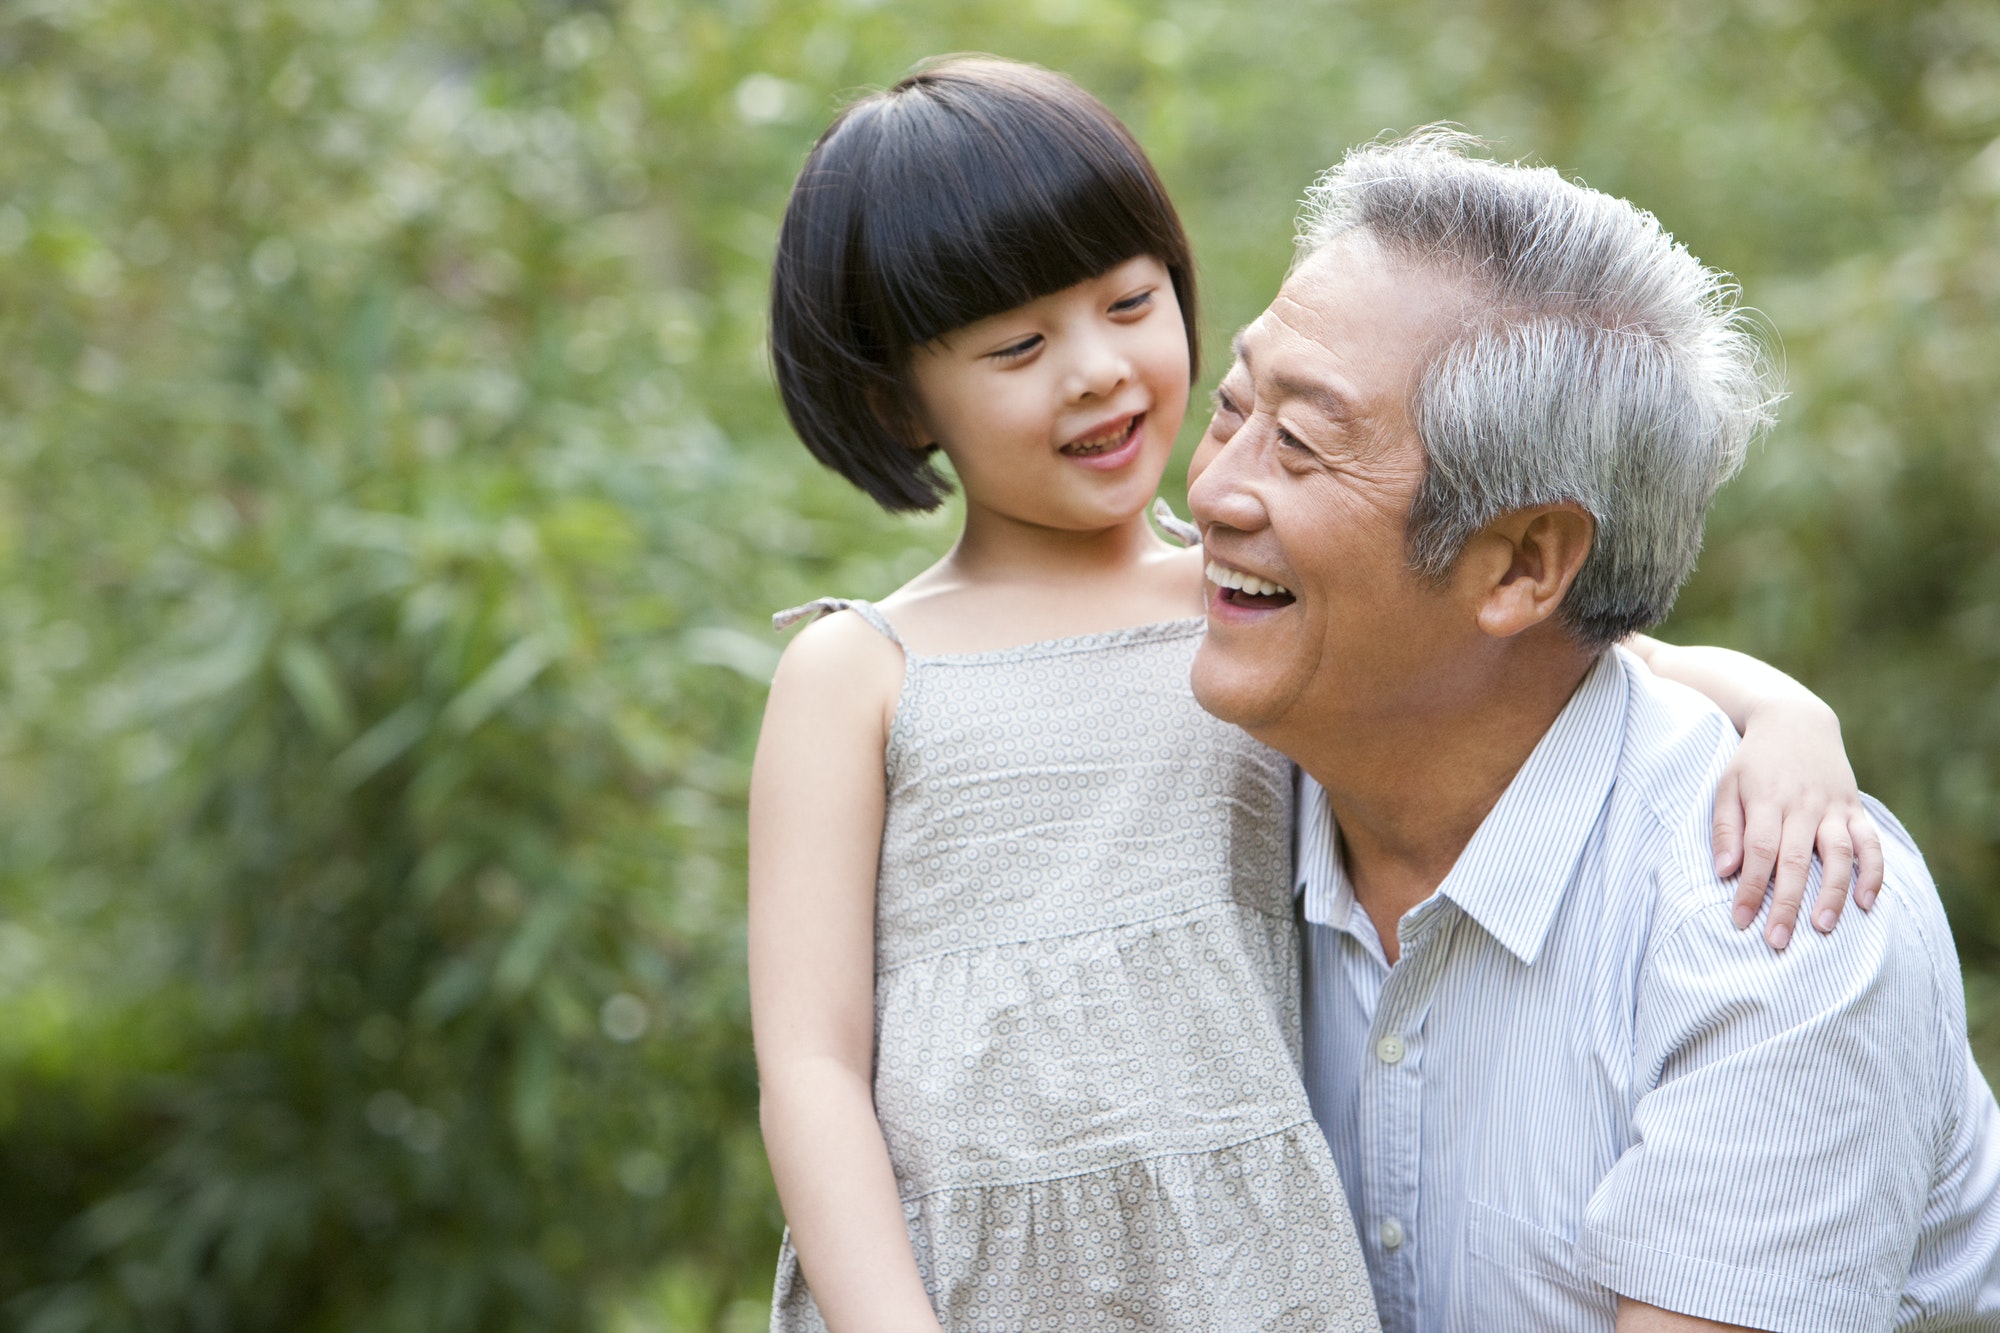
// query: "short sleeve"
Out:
[1785,1124]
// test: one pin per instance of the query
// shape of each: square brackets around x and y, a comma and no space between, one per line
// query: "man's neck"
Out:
[1408,791]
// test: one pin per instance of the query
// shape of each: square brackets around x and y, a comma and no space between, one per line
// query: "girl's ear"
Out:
[898,419]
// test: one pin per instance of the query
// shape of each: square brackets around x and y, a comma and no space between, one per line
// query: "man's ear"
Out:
[1521,565]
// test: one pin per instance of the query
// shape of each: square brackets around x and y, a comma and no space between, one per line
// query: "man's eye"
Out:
[1226,419]
[1014,351]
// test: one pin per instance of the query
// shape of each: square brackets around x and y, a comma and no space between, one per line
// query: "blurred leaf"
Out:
[380,745]
[514,670]
[753,659]
[309,673]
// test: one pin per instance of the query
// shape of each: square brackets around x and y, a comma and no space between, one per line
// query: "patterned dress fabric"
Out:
[1087,1010]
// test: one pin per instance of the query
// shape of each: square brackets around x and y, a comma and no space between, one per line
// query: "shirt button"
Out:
[1392,1234]
[1389,1050]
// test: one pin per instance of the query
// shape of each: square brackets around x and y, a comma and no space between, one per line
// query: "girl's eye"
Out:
[1136,301]
[1015,351]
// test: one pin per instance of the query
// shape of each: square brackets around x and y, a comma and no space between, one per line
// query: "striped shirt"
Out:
[1579,1079]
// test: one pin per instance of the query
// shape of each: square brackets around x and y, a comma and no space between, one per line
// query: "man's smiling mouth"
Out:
[1240,589]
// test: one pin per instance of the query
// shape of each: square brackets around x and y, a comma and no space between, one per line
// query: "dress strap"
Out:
[826,606]
[1182,531]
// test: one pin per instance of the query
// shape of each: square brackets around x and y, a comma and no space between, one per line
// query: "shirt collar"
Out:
[1511,876]
[1328,899]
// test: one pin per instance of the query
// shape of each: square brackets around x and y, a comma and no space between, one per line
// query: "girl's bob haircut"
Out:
[972,187]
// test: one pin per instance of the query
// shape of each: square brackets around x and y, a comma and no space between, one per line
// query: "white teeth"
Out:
[1222,576]
[1097,444]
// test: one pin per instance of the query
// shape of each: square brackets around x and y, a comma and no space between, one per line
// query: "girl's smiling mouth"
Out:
[1112,446]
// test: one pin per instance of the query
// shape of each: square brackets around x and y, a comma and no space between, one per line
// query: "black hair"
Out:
[974,186]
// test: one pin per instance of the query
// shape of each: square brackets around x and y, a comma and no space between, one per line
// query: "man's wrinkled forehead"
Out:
[1349,324]
[1283,378]
[1301,311]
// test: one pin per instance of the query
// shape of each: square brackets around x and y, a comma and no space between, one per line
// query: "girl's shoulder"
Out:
[820,608]
[848,657]
[952,617]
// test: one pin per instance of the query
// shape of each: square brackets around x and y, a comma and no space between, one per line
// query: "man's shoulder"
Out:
[1911,898]
[1675,746]
[1854,1042]
[1677,743]
[1674,737]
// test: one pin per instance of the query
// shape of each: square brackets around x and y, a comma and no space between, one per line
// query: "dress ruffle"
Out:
[1221,1242]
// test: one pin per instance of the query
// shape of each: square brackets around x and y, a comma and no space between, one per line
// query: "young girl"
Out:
[1023,970]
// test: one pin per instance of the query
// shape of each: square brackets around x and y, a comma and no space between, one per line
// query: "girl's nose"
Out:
[1099,369]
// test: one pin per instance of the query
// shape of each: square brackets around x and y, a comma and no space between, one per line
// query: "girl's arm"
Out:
[1788,789]
[816,811]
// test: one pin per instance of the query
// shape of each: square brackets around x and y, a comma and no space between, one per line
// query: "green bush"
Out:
[392,495]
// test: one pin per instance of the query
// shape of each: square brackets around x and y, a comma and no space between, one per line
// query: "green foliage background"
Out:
[392,496]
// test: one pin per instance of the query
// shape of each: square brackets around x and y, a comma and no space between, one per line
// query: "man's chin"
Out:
[1228,691]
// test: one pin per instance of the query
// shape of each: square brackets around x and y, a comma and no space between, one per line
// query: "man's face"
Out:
[1304,479]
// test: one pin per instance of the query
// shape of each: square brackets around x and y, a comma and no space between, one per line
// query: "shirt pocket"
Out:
[1524,1276]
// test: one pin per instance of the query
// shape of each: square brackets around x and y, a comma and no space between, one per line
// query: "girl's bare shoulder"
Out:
[941,613]
[840,660]
[1182,569]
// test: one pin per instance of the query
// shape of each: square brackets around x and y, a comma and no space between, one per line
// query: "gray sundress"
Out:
[1086,1004]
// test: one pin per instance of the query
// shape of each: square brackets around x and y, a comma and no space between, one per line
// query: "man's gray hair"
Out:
[1600,364]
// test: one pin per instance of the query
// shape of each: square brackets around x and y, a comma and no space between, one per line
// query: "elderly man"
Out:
[1473,440]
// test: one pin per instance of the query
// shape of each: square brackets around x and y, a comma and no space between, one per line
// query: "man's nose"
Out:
[1220,488]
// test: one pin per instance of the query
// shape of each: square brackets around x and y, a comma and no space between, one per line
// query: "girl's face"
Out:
[1061,413]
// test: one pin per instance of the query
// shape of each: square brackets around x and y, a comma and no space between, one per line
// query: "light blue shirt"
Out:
[1580,1079]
